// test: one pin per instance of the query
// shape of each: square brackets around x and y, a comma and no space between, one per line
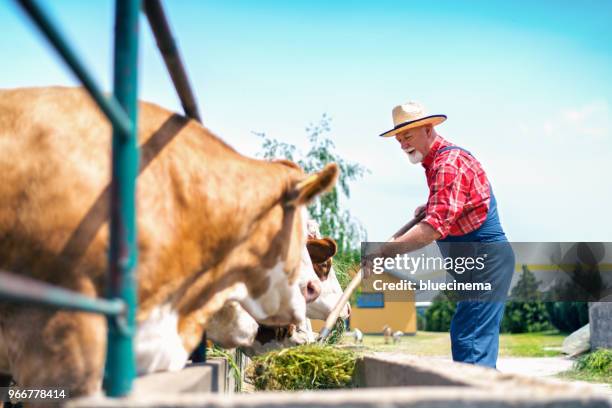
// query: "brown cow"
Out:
[320,251]
[233,327]
[213,226]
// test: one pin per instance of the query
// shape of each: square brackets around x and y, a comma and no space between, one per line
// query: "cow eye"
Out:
[321,271]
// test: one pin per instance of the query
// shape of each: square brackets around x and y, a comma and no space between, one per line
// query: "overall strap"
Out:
[452,148]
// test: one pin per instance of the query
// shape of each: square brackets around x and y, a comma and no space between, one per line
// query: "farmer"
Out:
[461,208]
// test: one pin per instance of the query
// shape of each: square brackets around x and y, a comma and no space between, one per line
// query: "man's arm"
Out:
[420,235]
[417,237]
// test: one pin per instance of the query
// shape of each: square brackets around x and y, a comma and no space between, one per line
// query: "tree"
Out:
[568,317]
[586,283]
[439,314]
[521,316]
[333,220]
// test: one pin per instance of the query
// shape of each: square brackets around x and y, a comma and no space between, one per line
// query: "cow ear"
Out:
[333,247]
[320,250]
[287,163]
[310,187]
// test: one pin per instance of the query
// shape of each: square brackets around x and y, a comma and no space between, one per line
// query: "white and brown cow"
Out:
[213,226]
[232,327]
[321,251]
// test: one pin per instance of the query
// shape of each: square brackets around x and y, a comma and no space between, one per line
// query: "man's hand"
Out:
[367,263]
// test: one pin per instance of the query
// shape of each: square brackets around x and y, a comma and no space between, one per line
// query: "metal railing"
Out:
[121,109]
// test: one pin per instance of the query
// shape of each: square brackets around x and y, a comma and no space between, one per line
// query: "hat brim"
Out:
[427,120]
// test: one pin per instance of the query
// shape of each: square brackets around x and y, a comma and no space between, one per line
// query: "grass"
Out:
[217,351]
[575,375]
[592,367]
[422,344]
[545,344]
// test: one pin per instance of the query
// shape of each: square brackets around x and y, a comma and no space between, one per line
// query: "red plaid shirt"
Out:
[459,192]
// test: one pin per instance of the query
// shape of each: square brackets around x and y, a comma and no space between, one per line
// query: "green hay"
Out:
[307,367]
[336,332]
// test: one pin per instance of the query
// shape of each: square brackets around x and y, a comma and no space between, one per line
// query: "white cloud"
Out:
[590,120]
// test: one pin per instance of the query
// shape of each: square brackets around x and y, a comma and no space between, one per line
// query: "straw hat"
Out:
[410,115]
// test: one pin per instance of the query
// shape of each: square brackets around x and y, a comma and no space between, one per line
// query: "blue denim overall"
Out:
[475,325]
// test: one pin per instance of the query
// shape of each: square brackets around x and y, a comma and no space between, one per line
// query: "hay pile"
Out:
[306,367]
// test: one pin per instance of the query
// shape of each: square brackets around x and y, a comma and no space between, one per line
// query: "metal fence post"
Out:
[172,57]
[123,256]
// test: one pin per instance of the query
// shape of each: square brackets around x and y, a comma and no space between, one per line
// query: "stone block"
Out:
[600,317]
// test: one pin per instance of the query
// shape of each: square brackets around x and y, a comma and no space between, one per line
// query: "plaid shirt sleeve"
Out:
[447,197]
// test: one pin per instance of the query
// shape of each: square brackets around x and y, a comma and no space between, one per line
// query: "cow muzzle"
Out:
[311,291]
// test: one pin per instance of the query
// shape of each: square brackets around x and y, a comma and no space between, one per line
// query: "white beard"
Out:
[415,156]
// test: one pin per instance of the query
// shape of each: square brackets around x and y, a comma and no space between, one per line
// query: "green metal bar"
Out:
[109,106]
[172,57]
[18,289]
[169,50]
[120,360]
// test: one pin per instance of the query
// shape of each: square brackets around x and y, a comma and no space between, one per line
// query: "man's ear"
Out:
[320,250]
[310,187]
[429,130]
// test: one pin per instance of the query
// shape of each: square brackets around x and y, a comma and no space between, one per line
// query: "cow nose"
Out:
[312,291]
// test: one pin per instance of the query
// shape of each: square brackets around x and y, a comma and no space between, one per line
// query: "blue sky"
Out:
[526,87]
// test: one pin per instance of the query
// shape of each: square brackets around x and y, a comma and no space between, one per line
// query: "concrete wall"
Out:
[600,318]
[408,382]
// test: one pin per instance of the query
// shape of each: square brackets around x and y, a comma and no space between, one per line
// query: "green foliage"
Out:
[568,317]
[438,316]
[346,264]
[334,221]
[599,361]
[217,351]
[525,317]
[420,322]
[593,367]
[306,367]
[585,281]
[527,286]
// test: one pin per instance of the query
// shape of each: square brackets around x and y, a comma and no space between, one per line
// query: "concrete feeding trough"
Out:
[212,376]
[389,380]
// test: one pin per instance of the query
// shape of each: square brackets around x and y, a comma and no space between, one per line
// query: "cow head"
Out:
[321,251]
[233,327]
[273,295]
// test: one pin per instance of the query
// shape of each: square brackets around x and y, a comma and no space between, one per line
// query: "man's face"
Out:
[416,142]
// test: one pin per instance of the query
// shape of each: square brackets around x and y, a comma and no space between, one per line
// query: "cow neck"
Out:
[217,210]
